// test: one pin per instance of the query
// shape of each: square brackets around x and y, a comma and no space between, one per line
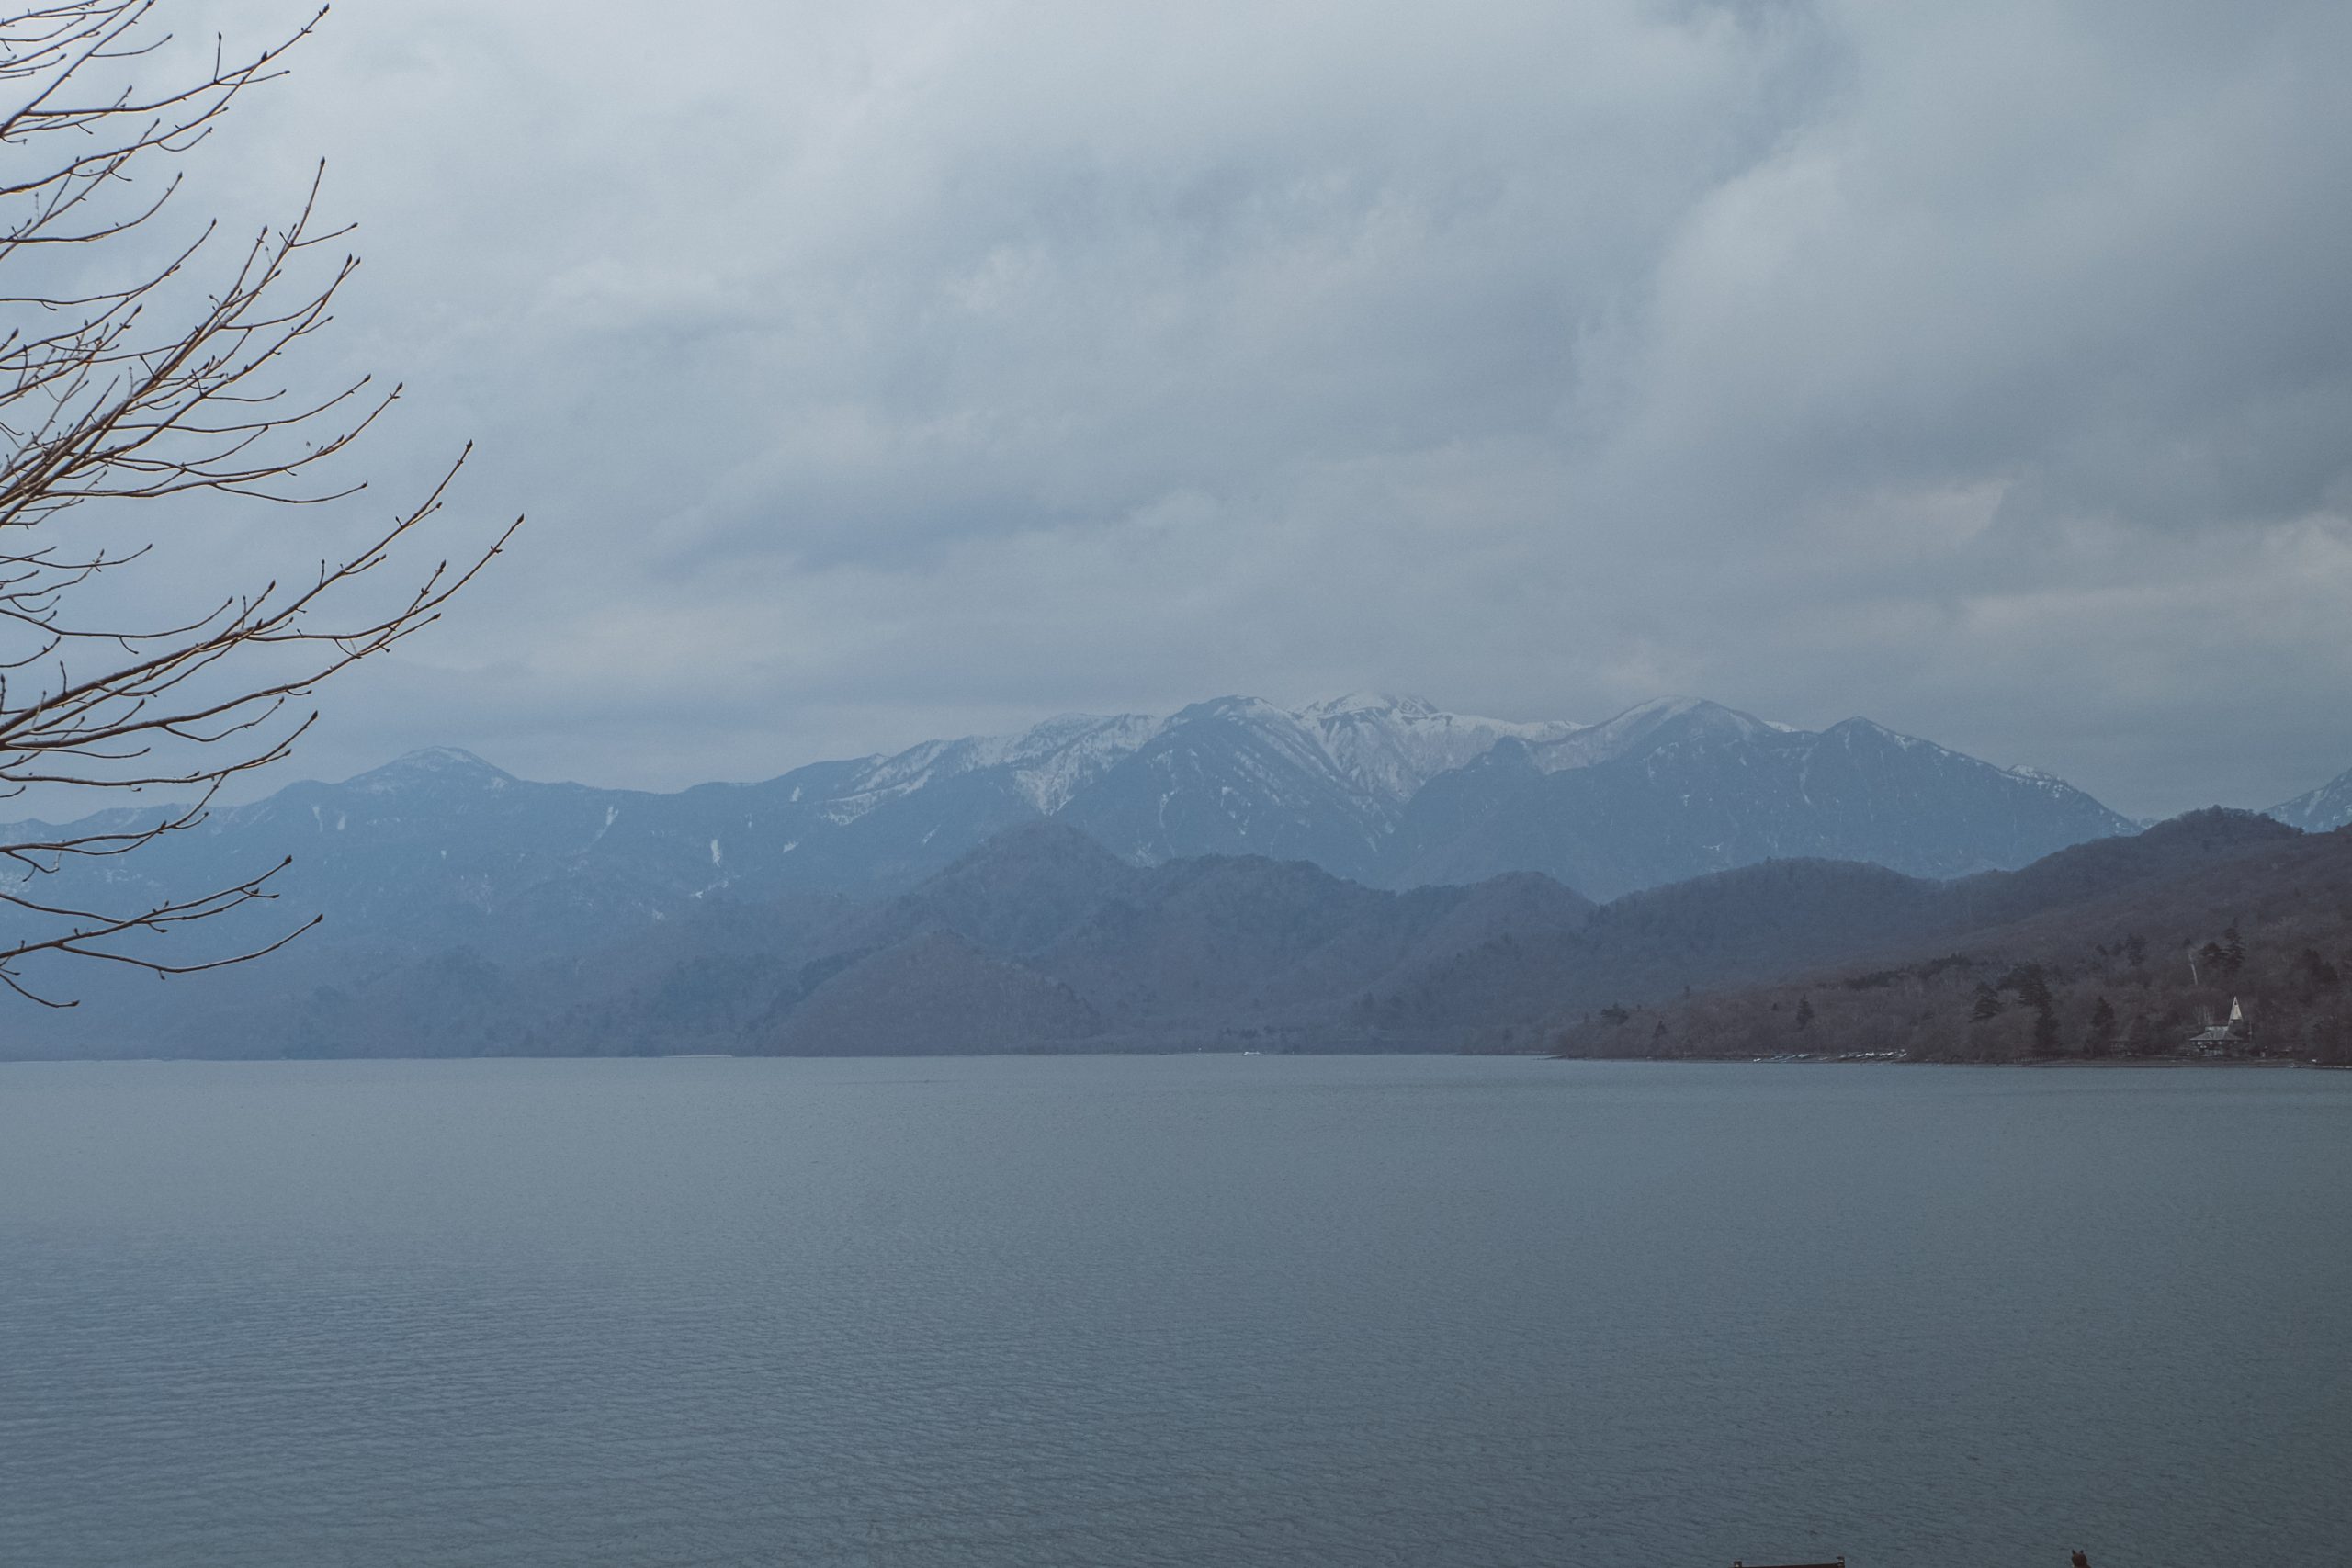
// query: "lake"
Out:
[1214,1310]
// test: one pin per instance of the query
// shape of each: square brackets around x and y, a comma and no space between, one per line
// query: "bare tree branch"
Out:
[165,384]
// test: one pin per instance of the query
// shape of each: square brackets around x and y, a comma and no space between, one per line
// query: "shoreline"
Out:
[1869,1059]
[1889,1059]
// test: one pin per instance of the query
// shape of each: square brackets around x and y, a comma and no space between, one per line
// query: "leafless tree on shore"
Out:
[139,365]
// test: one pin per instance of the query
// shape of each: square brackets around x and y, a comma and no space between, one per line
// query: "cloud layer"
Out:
[884,370]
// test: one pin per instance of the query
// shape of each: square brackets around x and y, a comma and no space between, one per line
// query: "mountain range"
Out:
[442,847]
[1042,940]
[474,909]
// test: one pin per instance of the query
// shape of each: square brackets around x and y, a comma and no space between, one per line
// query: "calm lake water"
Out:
[1112,1311]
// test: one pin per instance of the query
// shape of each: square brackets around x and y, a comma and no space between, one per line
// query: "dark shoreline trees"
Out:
[1989,1008]
[2226,908]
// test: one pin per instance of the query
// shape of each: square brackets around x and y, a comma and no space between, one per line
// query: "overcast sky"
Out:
[879,370]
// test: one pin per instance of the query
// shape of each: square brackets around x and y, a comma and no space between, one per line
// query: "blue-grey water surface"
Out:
[1219,1310]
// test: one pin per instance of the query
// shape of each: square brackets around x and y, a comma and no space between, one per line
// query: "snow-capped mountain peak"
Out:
[1238,760]
[1064,755]
[431,764]
[1389,746]
[1046,762]
[1656,722]
[1373,702]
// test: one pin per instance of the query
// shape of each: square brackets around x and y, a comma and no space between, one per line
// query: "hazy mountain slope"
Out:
[2319,810]
[440,853]
[934,993]
[1019,892]
[1039,930]
[1212,946]
[1206,943]
[1679,790]
[1076,943]
[2227,914]
[1765,922]
[1745,925]
[1522,904]
[2184,846]
[2206,867]
[441,849]
[1234,776]
[1224,939]
[689,983]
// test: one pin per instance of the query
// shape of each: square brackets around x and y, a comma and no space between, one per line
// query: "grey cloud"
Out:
[879,370]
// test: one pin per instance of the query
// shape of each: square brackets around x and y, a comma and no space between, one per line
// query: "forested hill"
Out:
[1041,939]
[2230,908]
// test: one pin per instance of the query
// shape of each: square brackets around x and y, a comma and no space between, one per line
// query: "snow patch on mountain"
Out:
[2320,810]
[1374,746]
[1065,755]
[1661,721]
[1046,764]
[1388,747]
[431,765]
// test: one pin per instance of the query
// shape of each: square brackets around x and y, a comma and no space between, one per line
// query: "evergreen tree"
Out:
[2101,1036]
[2033,987]
[2045,1032]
